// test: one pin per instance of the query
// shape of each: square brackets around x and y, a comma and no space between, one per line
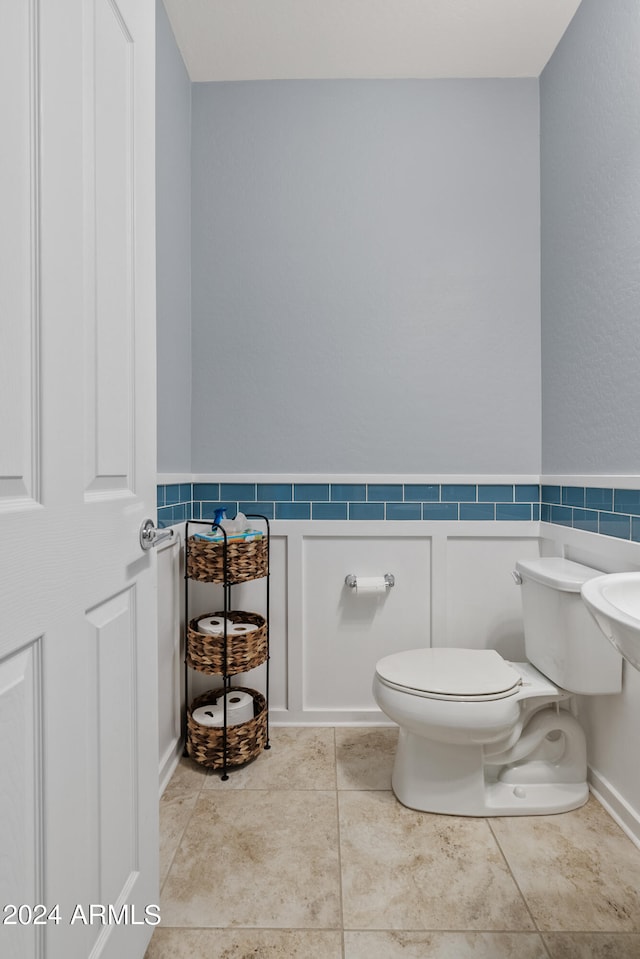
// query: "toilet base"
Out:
[432,777]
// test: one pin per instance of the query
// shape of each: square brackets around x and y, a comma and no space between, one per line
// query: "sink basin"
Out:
[614,602]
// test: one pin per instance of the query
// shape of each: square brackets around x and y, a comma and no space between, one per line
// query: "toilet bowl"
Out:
[480,736]
[455,751]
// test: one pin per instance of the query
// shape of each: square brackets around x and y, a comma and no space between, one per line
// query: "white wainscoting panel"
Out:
[483,608]
[346,632]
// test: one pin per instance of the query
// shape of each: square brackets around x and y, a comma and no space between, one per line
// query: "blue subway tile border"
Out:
[238,491]
[513,512]
[293,510]
[259,508]
[208,510]
[598,498]
[422,492]
[174,503]
[348,492]
[385,492]
[277,492]
[309,492]
[551,495]
[206,491]
[440,511]
[573,496]
[458,492]
[366,511]
[356,501]
[527,493]
[562,515]
[403,511]
[172,494]
[180,513]
[477,511]
[615,524]
[593,509]
[626,501]
[608,511]
[586,519]
[327,511]
[165,516]
[495,494]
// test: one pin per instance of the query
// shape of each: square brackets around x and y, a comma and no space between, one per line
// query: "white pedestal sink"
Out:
[614,602]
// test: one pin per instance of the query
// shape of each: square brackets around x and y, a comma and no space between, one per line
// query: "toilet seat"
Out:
[450,674]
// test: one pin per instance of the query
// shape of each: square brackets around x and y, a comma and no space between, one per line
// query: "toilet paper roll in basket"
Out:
[239,710]
[213,625]
[209,715]
[239,707]
[239,629]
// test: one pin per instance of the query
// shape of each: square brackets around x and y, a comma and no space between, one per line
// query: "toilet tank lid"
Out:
[450,672]
[559,573]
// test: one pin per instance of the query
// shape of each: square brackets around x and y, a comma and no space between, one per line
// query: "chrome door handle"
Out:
[151,535]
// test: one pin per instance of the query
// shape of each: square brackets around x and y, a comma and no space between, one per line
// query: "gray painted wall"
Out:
[173,214]
[366,276]
[590,169]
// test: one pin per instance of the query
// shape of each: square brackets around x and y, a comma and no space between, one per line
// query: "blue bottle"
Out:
[220,514]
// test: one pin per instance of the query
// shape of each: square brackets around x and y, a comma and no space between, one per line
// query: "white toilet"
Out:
[483,737]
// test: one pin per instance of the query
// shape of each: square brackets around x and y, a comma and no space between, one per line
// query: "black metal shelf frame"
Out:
[226,585]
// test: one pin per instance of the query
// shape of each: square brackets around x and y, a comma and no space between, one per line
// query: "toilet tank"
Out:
[561,637]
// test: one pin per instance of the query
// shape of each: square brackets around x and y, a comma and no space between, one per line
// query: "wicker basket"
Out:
[205,744]
[246,559]
[246,651]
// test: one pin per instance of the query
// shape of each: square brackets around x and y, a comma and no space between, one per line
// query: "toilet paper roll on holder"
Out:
[351,580]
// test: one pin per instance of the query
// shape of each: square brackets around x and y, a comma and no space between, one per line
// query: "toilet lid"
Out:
[450,672]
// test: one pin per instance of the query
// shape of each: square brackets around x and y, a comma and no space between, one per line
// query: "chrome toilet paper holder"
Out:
[351,580]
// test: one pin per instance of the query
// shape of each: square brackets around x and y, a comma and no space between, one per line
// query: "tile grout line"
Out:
[339,850]
[517,885]
[198,793]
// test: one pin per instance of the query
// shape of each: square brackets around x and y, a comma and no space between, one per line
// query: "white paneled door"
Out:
[78,712]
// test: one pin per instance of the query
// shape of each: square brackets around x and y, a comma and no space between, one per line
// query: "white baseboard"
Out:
[327,717]
[617,807]
[169,763]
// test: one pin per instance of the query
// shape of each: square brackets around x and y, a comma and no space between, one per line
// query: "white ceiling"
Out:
[310,39]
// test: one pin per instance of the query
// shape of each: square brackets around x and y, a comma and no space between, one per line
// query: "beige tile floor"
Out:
[306,854]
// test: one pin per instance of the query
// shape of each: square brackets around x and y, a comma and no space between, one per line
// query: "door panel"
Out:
[78,689]
[20,783]
[18,254]
[109,113]
[113,655]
